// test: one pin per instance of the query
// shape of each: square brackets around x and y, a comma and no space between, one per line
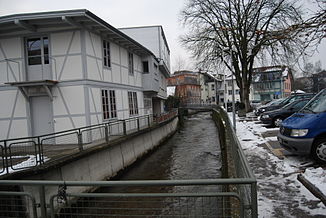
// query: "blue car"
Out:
[305,132]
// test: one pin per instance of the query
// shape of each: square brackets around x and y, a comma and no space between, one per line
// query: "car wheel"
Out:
[319,150]
[277,121]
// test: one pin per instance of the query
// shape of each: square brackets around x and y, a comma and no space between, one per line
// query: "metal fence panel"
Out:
[17,204]
[146,205]
[59,145]
[23,155]
[2,159]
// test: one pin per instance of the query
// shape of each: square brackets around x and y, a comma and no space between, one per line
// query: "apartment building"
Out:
[66,69]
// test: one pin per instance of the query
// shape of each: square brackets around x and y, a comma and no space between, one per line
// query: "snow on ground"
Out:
[30,162]
[280,194]
[317,177]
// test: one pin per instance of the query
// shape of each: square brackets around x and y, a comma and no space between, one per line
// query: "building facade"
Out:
[272,82]
[210,86]
[153,38]
[187,86]
[66,69]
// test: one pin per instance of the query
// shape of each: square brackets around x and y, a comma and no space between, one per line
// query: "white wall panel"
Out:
[93,45]
[95,100]
[7,97]
[62,123]
[124,76]
[20,110]
[18,129]
[94,68]
[4,125]
[116,77]
[72,68]
[114,49]
[96,119]
[12,48]
[60,43]
[79,121]
[107,73]
[74,99]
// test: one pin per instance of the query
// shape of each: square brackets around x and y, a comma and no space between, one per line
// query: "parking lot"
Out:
[280,193]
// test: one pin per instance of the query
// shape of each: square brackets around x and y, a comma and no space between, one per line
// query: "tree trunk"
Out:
[245,97]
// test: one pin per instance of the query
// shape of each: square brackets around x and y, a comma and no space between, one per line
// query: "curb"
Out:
[313,189]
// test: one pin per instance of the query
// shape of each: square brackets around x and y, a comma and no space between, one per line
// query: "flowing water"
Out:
[192,153]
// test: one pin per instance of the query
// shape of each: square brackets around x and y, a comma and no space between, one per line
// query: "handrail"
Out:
[37,146]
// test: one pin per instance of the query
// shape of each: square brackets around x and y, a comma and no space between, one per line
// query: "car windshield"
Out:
[317,104]
[274,102]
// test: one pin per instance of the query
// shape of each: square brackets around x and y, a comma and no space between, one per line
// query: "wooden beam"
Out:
[25,25]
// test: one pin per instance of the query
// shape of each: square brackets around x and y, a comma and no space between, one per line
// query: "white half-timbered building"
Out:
[67,69]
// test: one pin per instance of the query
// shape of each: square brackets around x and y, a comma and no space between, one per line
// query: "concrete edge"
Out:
[312,188]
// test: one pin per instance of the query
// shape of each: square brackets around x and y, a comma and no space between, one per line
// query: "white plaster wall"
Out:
[94,56]
[60,43]
[11,49]
[67,68]
[73,97]
[65,49]
[18,129]
[147,36]
[4,125]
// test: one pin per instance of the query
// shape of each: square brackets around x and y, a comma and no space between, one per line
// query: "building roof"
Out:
[26,23]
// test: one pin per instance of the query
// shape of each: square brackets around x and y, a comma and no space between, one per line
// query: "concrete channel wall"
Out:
[99,163]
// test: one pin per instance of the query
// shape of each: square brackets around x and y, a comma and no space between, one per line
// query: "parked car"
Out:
[275,117]
[255,103]
[305,132]
[287,100]
[259,110]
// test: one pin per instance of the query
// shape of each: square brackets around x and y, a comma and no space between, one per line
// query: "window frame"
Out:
[131,70]
[133,103]
[106,49]
[109,104]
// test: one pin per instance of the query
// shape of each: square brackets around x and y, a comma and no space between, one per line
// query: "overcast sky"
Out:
[126,13]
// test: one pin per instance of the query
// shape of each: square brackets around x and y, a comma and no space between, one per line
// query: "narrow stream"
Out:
[192,153]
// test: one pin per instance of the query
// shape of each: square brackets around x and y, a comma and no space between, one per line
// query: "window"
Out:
[230,83]
[38,50]
[213,87]
[230,92]
[131,63]
[133,104]
[109,106]
[145,67]
[106,54]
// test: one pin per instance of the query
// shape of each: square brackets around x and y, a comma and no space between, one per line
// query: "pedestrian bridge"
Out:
[42,188]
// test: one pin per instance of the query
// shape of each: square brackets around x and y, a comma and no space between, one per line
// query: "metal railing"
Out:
[236,162]
[24,153]
[165,116]
[170,199]
[234,196]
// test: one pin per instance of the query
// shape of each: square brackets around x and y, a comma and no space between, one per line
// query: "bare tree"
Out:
[314,27]
[179,64]
[237,32]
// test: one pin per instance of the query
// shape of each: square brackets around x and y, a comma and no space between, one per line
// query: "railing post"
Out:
[80,140]
[138,125]
[124,127]
[254,206]
[40,147]
[42,201]
[149,120]
[6,156]
[106,129]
